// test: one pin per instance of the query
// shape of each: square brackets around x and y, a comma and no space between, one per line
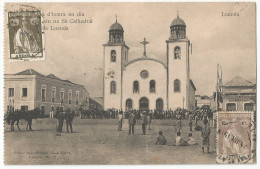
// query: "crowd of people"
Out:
[155,114]
[206,115]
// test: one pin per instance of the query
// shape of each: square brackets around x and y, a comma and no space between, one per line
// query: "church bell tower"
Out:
[178,64]
[115,56]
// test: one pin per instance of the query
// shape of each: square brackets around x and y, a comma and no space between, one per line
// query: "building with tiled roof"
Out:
[30,89]
[239,95]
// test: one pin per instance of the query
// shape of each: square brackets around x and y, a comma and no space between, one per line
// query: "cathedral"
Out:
[146,83]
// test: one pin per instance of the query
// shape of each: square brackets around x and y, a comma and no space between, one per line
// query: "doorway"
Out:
[143,104]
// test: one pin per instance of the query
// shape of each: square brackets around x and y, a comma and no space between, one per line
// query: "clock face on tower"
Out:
[144,74]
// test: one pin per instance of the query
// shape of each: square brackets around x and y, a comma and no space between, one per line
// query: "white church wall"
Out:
[178,70]
[156,72]
[112,72]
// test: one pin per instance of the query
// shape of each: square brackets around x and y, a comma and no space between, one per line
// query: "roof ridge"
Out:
[145,58]
[244,79]
[30,71]
[239,78]
[53,76]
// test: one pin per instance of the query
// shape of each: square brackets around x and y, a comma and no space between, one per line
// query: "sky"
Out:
[77,54]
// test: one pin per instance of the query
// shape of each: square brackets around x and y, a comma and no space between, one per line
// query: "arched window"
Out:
[128,104]
[136,87]
[113,87]
[152,86]
[177,85]
[113,56]
[177,52]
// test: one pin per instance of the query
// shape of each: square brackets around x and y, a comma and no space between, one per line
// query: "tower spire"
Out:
[116,18]
[177,13]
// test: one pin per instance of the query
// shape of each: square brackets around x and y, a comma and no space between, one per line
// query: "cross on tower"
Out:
[116,17]
[144,43]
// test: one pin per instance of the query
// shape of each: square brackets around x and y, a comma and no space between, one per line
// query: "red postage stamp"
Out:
[235,136]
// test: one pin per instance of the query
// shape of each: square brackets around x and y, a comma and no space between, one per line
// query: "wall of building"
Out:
[178,69]
[49,83]
[112,100]
[239,95]
[34,84]
[238,100]
[19,82]
[156,71]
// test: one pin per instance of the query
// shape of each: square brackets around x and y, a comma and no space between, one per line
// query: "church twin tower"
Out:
[146,83]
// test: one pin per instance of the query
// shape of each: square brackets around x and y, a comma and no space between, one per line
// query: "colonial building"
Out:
[203,100]
[30,89]
[147,83]
[239,95]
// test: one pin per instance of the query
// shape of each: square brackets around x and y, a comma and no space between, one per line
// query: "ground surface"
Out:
[99,142]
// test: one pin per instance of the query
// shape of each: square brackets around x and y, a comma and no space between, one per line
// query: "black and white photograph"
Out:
[129,83]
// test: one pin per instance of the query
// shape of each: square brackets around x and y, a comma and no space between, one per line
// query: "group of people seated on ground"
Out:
[179,141]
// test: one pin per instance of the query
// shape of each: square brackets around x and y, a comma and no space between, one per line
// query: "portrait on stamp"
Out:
[25,35]
[235,137]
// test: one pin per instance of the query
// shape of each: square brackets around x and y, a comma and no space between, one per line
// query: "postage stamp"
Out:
[25,36]
[235,135]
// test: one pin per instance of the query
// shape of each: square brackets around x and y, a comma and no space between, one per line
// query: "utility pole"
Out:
[219,85]
[183,99]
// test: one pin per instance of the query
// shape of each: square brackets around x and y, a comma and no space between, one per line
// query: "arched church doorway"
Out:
[159,104]
[143,104]
[128,104]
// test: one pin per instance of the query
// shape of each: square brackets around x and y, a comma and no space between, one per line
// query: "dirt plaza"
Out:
[97,141]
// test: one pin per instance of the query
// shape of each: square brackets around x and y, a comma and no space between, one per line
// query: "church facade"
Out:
[146,83]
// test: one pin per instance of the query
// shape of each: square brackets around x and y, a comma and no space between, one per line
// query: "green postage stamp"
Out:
[25,35]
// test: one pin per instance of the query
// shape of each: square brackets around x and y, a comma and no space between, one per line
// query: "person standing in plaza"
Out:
[60,120]
[120,120]
[196,118]
[131,122]
[190,121]
[144,122]
[51,114]
[178,123]
[149,119]
[56,115]
[210,117]
[69,116]
[205,133]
